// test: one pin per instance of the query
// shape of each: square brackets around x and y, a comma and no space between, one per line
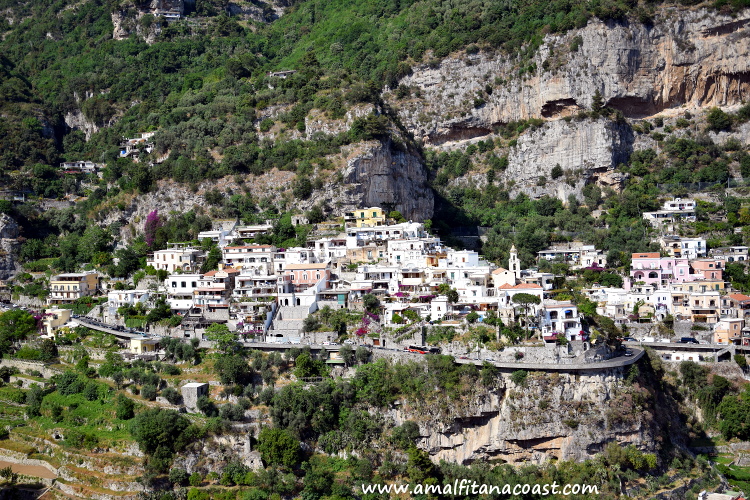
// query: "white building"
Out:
[255,257]
[686,248]
[181,290]
[361,236]
[330,248]
[557,317]
[285,257]
[87,167]
[175,259]
[672,211]
[120,298]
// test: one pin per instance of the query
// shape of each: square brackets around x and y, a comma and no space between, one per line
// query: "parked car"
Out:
[628,352]
[648,339]
[688,340]
[629,339]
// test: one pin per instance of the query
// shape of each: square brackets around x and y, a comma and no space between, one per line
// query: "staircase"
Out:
[288,322]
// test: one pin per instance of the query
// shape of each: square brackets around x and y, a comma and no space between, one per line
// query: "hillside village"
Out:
[276,295]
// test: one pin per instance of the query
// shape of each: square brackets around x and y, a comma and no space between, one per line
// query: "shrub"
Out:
[148,392]
[518,377]
[178,476]
[195,479]
[125,408]
[718,120]
[278,447]
[171,395]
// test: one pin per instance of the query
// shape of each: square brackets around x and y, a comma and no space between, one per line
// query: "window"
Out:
[374,214]
[192,284]
[174,284]
[362,215]
[182,284]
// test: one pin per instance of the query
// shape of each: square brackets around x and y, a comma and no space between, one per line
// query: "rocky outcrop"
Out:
[383,176]
[696,58]
[586,150]
[316,122]
[551,416]
[75,120]
[9,246]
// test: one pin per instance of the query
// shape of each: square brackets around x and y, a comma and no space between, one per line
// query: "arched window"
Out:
[653,274]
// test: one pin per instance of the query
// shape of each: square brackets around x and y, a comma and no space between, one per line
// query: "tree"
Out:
[525,300]
[557,172]
[310,324]
[212,260]
[225,340]
[371,302]
[396,215]
[306,366]
[718,120]
[48,350]
[15,326]
[278,447]
[472,317]
[207,407]
[178,476]
[233,369]
[597,102]
[362,354]
[347,354]
[124,408]
[148,392]
[156,428]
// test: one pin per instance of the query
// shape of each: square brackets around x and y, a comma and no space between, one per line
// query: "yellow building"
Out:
[53,319]
[143,345]
[366,217]
[67,288]
[729,331]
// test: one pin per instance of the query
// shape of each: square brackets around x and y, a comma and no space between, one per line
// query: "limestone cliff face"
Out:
[552,416]
[77,121]
[383,176]
[587,151]
[9,246]
[692,57]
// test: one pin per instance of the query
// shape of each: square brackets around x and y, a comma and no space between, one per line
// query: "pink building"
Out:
[653,269]
[708,269]
[303,276]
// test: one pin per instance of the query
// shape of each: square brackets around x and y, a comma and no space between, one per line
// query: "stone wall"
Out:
[24,366]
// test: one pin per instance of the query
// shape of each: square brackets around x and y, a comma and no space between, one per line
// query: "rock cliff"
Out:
[549,416]
[9,246]
[696,58]
[587,151]
[387,177]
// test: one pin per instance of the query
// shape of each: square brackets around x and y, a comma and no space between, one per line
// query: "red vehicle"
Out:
[423,349]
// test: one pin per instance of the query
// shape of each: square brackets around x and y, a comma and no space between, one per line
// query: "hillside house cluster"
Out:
[266,291]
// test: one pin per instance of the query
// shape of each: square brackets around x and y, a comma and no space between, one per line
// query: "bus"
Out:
[419,349]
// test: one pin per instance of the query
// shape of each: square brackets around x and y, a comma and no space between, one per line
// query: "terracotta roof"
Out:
[241,247]
[299,267]
[739,297]
[522,286]
[499,270]
[228,270]
[528,286]
[647,255]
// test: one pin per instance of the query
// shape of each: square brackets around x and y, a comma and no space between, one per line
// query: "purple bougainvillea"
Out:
[153,223]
